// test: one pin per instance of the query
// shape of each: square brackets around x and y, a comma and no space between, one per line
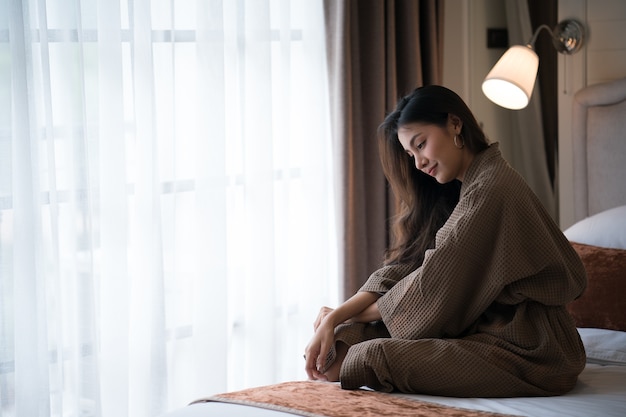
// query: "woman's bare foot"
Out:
[332,373]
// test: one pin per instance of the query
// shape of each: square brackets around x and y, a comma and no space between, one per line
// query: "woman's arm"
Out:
[354,309]
[371,313]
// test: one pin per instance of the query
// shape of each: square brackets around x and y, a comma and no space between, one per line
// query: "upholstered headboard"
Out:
[599,148]
[599,234]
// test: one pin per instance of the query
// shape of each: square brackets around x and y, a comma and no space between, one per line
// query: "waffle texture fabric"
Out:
[484,315]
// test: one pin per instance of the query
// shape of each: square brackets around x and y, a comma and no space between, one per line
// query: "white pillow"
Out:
[606,229]
[604,347]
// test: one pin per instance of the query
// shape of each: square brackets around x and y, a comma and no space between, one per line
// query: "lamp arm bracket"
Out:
[533,39]
[567,36]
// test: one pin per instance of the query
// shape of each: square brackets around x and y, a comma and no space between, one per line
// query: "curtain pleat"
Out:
[211,255]
[544,12]
[377,52]
[29,356]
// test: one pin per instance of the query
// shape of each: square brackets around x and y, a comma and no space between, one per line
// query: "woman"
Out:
[471,299]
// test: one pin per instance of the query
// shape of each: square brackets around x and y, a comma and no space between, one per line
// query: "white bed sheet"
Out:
[224,410]
[601,391]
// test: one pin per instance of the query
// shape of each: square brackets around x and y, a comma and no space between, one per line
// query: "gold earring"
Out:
[462,141]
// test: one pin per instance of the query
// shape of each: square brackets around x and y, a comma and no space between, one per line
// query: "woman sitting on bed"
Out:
[471,299]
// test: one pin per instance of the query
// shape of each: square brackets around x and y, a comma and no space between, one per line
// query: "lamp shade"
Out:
[510,82]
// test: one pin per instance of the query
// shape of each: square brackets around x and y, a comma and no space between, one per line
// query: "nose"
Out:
[420,162]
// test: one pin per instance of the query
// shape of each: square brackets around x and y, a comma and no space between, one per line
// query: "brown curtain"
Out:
[545,12]
[378,50]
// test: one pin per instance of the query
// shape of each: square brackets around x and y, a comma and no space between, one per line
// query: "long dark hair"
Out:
[425,205]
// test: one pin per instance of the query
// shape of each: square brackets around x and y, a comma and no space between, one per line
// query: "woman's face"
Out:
[434,151]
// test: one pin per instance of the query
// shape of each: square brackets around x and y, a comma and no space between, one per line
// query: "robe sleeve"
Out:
[385,278]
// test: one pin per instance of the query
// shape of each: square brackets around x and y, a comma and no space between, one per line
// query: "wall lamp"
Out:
[510,82]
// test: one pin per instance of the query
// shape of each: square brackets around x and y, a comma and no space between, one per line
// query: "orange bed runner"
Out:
[322,399]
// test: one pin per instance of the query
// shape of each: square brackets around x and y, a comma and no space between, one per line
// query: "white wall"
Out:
[467,60]
[603,58]
[457,44]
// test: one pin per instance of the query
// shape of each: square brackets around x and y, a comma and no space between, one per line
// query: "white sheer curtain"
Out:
[166,223]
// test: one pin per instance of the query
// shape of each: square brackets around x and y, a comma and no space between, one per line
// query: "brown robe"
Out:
[484,316]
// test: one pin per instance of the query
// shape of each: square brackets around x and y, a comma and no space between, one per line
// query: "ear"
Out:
[455,122]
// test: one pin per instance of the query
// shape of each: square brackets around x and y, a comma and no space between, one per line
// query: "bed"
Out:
[599,236]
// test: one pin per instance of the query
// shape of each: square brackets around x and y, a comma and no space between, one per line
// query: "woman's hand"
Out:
[324,311]
[317,350]
[358,306]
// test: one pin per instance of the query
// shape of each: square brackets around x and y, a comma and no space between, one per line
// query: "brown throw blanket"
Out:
[322,399]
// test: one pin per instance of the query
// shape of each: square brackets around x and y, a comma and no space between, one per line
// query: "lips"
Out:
[432,170]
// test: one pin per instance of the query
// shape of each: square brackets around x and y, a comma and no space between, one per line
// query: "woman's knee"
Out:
[365,365]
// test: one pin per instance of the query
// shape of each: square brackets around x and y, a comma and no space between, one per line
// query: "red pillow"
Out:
[603,304]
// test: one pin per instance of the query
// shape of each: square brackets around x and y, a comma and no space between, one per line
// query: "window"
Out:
[166,212]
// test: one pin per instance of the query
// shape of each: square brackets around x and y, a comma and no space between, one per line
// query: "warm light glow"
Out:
[510,82]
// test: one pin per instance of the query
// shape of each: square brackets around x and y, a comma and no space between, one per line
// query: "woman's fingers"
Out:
[311,366]
[317,350]
[321,359]
[324,311]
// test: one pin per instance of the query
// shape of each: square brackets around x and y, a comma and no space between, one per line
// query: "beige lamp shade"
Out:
[510,82]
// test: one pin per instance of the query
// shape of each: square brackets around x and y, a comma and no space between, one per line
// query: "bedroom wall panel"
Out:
[602,59]
[606,58]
